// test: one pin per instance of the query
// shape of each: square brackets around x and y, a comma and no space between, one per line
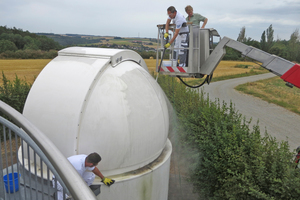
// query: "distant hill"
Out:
[16,43]
[72,39]
[139,44]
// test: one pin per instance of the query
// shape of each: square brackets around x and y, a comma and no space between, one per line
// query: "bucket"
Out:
[11,178]
[169,63]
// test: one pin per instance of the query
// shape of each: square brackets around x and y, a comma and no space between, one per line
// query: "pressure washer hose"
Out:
[167,40]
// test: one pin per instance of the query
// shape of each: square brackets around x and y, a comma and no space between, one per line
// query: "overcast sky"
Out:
[133,18]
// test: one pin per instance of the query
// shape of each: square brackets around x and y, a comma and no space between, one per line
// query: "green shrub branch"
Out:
[14,93]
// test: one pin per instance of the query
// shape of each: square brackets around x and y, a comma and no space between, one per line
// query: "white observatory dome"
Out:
[101,100]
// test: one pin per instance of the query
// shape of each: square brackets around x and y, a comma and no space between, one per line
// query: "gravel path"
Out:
[279,122]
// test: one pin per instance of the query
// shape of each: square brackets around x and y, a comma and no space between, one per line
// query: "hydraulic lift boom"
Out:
[288,71]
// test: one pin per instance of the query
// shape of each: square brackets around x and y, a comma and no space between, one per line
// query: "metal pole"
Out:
[2,194]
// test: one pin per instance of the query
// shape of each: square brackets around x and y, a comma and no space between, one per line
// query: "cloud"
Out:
[139,18]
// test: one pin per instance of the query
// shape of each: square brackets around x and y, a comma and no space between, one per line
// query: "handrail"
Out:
[70,177]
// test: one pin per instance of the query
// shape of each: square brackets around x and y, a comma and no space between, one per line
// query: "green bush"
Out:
[226,159]
[241,66]
[29,54]
[14,93]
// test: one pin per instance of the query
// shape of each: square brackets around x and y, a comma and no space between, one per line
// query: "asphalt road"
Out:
[279,122]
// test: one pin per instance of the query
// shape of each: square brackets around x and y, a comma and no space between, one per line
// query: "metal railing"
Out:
[32,159]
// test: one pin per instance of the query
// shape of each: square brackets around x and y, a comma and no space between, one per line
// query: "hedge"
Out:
[226,159]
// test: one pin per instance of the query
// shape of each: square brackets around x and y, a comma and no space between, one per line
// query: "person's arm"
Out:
[98,173]
[167,25]
[204,23]
[106,181]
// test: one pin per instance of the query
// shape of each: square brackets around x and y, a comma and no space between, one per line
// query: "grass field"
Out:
[29,69]
[25,69]
[274,91]
[224,69]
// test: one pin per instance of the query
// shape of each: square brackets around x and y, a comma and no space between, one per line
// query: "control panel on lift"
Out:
[200,46]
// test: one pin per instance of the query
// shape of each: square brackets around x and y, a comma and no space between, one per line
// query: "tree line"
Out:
[16,43]
[287,49]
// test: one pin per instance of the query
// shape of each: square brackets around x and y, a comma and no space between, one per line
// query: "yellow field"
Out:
[30,68]
[225,68]
[25,69]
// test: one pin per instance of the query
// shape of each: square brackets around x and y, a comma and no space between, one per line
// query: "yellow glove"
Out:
[108,181]
[166,35]
[167,45]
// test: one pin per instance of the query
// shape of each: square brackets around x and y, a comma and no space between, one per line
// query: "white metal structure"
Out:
[31,187]
[199,49]
[104,100]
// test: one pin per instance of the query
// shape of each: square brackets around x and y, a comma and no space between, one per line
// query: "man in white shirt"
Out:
[86,167]
[181,35]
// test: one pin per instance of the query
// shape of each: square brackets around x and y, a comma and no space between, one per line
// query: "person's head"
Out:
[189,10]
[92,160]
[172,12]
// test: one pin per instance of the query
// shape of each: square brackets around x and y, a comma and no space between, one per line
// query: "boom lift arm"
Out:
[288,71]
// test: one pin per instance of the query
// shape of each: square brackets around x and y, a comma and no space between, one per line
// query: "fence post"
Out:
[2,194]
